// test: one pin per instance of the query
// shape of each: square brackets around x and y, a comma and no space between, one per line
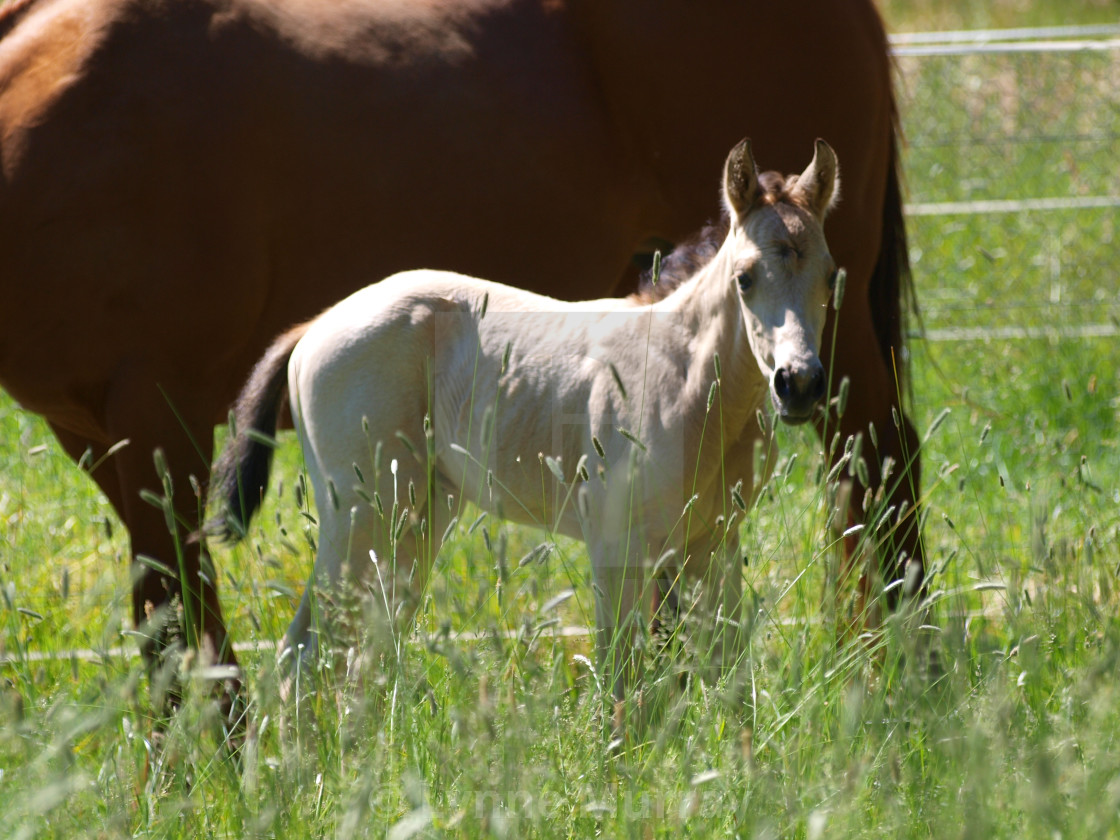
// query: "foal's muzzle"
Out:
[796,391]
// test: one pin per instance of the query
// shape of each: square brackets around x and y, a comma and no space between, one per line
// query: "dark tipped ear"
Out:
[740,180]
[818,186]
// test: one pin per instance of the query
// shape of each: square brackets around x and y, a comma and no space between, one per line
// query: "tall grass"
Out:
[1011,732]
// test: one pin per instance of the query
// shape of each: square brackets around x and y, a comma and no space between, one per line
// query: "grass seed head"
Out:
[630,436]
[737,496]
[598,447]
[554,467]
[618,380]
[862,472]
[937,421]
[838,288]
[852,448]
[401,522]
[842,396]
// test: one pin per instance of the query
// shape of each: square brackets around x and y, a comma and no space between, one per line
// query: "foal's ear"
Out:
[819,185]
[740,180]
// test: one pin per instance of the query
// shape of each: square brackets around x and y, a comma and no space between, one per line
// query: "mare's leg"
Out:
[896,552]
[175,594]
[104,475]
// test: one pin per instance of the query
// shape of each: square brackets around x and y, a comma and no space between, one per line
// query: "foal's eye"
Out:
[744,280]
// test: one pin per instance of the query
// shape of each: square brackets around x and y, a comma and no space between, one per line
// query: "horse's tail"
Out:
[892,287]
[240,476]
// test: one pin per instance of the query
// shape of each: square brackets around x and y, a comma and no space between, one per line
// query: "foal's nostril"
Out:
[781,383]
[816,387]
[799,390]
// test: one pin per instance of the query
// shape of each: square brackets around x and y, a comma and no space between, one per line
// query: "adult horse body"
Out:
[181,180]
[618,393]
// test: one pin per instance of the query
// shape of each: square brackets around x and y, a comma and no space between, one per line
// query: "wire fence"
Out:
[1013,168]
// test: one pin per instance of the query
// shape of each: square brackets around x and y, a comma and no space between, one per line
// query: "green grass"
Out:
[922,16]
[819,733]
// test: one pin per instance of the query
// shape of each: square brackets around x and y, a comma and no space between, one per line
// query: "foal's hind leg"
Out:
[375,551]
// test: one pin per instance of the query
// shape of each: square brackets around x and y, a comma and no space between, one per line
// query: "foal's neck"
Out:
[710,309]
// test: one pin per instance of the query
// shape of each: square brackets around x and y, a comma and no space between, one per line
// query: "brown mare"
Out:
[181,180]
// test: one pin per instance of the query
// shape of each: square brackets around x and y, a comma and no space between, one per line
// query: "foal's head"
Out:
[780,262]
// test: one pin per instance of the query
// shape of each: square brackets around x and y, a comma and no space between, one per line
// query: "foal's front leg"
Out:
[617,579]
[720,635]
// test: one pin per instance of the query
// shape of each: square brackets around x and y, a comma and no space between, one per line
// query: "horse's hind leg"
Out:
[175,595]
[90,454]
[874,401]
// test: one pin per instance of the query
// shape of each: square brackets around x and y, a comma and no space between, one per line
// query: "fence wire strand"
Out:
[1012,142]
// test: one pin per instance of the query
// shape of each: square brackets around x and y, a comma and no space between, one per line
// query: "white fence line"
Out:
[131,652]
[1056,39]
[1006,48]
[986,36]
[983,334]
[1011,205]
[1050,39]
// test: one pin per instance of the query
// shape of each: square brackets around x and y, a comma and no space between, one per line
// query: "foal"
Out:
[629,423]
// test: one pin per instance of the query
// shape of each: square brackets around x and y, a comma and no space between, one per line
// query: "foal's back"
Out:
[501,374]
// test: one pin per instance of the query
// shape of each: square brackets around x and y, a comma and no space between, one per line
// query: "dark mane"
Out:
[693,254]
[682,262]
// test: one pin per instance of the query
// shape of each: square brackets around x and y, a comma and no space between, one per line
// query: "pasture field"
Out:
[996,713]
[919,16]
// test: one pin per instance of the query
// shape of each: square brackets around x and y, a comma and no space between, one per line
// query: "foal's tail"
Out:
[240,478]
